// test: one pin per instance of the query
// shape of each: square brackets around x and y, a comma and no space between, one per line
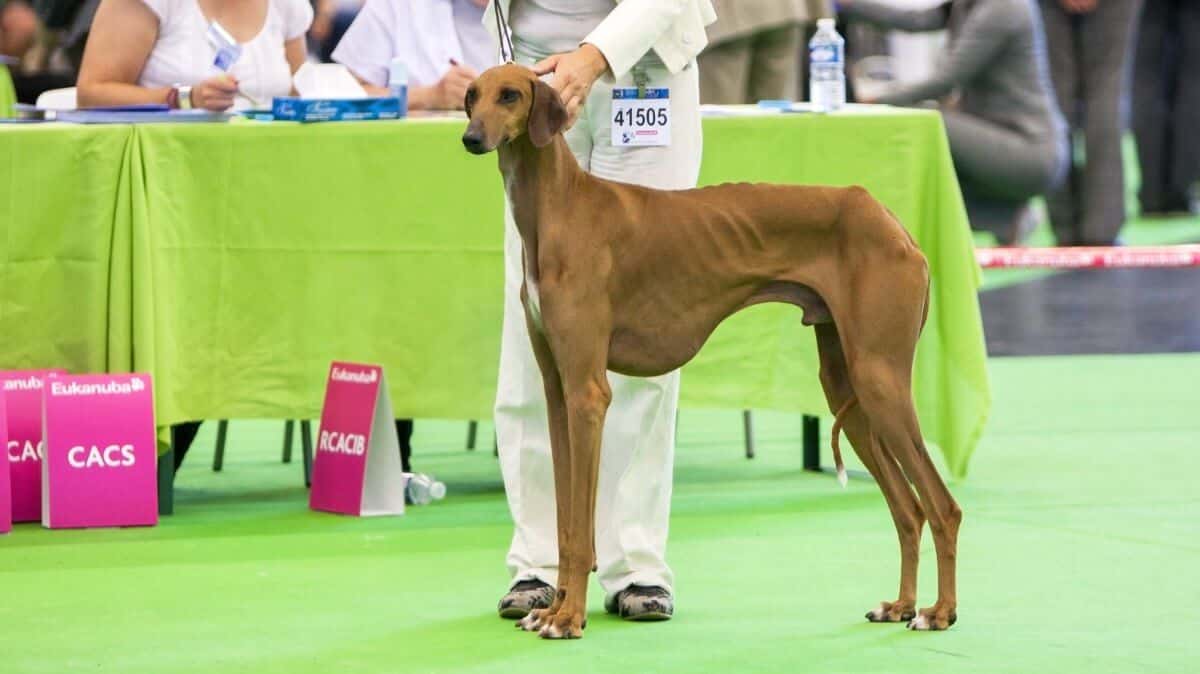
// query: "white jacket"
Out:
[674,29]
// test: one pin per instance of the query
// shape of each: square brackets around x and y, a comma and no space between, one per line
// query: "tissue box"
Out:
[335,109]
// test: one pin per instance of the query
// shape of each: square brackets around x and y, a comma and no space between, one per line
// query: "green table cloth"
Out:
[8,95]
[234,262]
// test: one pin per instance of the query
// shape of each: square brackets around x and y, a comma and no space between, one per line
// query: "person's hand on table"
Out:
[574,74]
[1078,6]
[449,92]
[215,93]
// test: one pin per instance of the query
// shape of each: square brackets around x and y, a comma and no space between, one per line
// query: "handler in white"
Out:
[590,47]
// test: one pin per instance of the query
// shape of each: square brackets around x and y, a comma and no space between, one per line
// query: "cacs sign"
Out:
[23,445]
[100,467]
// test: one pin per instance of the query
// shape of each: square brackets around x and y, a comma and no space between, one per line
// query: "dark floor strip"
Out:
[1104,311]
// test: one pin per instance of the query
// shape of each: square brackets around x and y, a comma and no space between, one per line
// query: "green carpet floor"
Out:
[1079,553]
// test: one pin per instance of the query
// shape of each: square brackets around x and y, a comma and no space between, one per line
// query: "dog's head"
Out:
[507,101]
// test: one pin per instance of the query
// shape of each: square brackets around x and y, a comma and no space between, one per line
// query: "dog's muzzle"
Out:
[473,142]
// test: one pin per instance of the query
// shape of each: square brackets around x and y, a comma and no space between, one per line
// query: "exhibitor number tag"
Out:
[641,117]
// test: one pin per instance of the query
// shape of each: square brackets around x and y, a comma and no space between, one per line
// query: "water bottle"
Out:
[398,84]
[422,489]
[827,70]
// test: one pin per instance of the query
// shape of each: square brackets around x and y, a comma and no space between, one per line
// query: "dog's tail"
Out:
[837,432]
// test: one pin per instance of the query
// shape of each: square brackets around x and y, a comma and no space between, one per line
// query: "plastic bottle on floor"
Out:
[827,68]
[423,489]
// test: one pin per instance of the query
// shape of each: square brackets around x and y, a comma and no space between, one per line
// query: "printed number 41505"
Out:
[641,117]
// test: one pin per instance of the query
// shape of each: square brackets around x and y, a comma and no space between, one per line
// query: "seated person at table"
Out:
[1007,136]
[156,51]
[442,43]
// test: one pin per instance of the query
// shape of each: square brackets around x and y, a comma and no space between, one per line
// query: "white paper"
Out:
[327,80]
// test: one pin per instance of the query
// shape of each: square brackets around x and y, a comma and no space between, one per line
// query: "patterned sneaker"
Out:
[641,602]
[524,597]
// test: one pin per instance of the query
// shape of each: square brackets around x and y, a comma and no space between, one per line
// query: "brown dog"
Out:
[634,280]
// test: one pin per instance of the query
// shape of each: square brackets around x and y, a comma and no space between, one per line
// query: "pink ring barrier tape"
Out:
[1099,257]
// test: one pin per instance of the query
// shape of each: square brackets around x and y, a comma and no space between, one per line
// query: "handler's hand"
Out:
[574,74]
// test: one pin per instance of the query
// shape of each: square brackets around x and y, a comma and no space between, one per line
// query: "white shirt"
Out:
[552,26]
[674,29]
[183,55]
[425,34]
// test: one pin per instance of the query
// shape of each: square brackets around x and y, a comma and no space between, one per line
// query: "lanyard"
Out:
[640,80]
[506,48]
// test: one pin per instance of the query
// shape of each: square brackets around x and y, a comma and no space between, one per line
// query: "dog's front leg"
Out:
[559,445]
[579,346]
[586,397]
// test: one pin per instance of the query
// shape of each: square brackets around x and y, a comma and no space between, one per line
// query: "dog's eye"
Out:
[470,98]
[509,96]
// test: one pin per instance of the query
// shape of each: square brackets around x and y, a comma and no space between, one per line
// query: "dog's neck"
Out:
[538,181]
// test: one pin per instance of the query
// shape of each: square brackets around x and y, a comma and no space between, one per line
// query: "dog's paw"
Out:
[892,612]
[933,618]
[534,621]
[563,625]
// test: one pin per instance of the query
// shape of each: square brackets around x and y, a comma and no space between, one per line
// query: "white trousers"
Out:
[637,451]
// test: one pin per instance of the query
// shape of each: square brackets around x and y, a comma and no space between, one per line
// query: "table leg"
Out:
[472,429]
[287,440]
[219,453]
[748,427]
[812,443]
[306,450]
[166,482]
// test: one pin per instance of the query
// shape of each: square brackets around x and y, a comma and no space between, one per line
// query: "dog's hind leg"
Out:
[883,387]
[902,503]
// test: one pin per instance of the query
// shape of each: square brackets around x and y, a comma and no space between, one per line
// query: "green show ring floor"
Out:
[1078,553]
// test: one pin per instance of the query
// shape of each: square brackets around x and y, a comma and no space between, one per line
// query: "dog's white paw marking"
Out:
[878,615]
[529,623]
[841,472]
[920,623]
[550,632]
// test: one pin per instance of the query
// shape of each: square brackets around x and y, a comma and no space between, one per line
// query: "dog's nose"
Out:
[473,143]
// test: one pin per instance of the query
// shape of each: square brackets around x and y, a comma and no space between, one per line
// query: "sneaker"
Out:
[524,597]
[641,602]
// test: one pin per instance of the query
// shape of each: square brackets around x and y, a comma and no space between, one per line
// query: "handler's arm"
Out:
[631,30]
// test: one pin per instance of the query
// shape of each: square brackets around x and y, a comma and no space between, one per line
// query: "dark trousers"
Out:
[1091,56]
[341,23]
[182,436]
[1166,117]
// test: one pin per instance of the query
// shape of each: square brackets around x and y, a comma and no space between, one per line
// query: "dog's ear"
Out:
[547,114]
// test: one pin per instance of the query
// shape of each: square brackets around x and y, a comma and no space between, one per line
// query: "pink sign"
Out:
[24,446]
[100,468]
[5,488]
[356,470]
